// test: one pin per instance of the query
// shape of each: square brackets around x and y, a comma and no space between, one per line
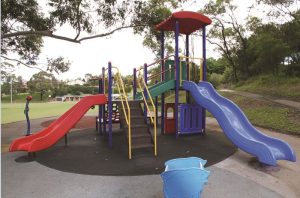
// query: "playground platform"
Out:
[87,168]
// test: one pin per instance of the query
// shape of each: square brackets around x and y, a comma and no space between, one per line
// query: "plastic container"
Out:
[184,177]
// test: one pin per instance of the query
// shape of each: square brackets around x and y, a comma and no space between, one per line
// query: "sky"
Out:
[124,49]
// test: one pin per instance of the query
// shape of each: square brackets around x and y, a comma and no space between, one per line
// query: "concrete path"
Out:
[237,176]
[285,102]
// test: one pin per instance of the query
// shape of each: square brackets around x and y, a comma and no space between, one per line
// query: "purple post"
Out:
[204,53]
[177,77]
[109,105]
[187,53]
[162,56]
[134,83]
[99,124]
[156,105]
[204,74]
[145,92]
[103,106]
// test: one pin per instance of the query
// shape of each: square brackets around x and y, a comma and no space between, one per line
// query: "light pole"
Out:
[11,82]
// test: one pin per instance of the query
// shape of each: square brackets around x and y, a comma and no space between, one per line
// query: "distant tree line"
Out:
[47,85]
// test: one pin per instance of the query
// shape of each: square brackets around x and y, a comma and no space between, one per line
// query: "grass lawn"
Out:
[277,86]
[268,114]
[15,112]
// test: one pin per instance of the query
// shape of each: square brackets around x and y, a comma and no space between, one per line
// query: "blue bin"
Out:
[184,177]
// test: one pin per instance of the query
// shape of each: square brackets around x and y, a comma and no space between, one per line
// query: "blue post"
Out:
[187,53]
[109,105]
[145,92]
[204,75]
[134,83]
[177,76]
[103,106]
[162,56]
[99,124]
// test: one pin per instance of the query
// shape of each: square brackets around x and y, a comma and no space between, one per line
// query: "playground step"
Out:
[137,128]
[133,111]
[136,119]
[140,135]
[141,141]
[140,132]
[140,146]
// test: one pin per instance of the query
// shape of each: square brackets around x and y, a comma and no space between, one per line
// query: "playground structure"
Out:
[175,75]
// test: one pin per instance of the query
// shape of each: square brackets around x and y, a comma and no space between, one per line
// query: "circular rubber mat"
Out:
[88,153]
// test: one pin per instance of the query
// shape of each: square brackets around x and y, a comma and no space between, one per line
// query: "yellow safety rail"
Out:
[121,89]
[152,117]
[190,59]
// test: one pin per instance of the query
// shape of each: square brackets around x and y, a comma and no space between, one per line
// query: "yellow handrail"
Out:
[127,116]
[152,118]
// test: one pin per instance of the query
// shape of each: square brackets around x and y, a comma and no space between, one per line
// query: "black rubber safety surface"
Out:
[88,153]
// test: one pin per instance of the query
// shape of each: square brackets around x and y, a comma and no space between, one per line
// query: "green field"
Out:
[268,114]
[276,86]
[15,112]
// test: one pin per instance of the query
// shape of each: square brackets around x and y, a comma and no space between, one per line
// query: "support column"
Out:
[134,83]
[99,124]
[187,54]
[103,106]
[109,105]
[156,105]
[177,77]
[145,93]
[204,75]
[162,69]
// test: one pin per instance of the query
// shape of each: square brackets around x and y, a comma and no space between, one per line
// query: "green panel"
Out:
[184,72]
[158,89]
[169,75]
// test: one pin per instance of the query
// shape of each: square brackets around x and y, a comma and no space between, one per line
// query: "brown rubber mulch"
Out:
[88,153]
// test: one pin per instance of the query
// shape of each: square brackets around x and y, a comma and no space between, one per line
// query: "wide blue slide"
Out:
[237,127]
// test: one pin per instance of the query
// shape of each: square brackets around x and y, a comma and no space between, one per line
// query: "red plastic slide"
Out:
[56,130]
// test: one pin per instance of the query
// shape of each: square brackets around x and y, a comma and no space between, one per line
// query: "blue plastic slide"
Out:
[237,127]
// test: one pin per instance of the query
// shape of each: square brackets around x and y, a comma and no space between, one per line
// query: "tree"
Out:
[42,82]
[215,65]
[91,80]
[226,33]
[16,83]
[281,8]
[24,23]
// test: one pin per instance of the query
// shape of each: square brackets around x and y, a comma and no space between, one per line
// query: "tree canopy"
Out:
[25,22]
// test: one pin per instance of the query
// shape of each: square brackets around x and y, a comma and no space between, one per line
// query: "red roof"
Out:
[188,22]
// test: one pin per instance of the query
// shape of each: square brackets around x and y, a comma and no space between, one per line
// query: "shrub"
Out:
[215,79]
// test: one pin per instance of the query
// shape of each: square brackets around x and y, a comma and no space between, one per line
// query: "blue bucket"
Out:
[184,177]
